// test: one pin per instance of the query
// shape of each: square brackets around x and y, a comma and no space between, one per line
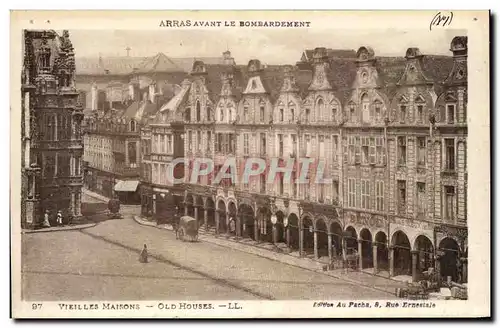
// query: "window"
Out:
[357,156]
[198,140]
[372,151]
[401,196]
[245,113]
[282,115]
[321,192]
[420,113]
[209,140]
[351,150]
[450,113]
[378,111]
[365,194]
[380,151]
[169,143]
[449,203]
[262,112]
[262,145]
[421,198]
[450,154]
[365,148]
[209,117]
[263,183]
[221,115]
[351,192]
[379,195]
[190,140]
[421,151]
[163,143]
[402,113]
[292,113]
[322,146]
[335,148]
[198,111]
[231,143]
[246,144]
[352,112]
[294,144]
[132,126]
[365,107]
[63,165]
[132,154]
[335,191]
[320,110]
[401,151]
[307,138]
[281,188]
[334,113]
[187,115]
[308,115]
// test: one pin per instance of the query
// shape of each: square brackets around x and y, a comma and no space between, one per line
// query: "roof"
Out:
[333,53]
[127,185]
[158,64]
[174,103]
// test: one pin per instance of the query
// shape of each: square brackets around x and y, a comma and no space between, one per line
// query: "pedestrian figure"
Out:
[232,226]
[46,223]
[143,258]
[59,218]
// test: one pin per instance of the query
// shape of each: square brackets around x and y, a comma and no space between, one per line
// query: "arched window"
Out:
[209,118]
[308,115]
[291,106]
[262,113]
[352,112]
[132,126]
[334,112]
[198,111]
[365,108]
[281,114]
[320,106]
[245,112]
[221,114]
[230,113]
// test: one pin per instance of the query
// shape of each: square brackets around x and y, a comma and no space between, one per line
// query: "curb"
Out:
[352,281]
[78,227]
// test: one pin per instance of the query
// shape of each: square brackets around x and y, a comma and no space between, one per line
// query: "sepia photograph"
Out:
[204,162]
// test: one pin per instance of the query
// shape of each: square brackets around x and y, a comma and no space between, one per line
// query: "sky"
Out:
[270,46]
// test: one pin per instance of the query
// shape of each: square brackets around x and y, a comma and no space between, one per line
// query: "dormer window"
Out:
[209,118]
[132,126]
[187,115]
[365,108]
[262,112]
[334,113]
[402,113]
[450,113]
[221,115]
[198,111]
[320,110]
[352,112]
[378,111]
[245,113]
[281,115]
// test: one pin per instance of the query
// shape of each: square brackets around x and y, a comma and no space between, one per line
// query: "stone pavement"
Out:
[354,277]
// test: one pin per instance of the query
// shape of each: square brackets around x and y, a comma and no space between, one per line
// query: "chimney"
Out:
[320,70]
[254,67]
[289,84]
[227,59]
[365,56]
[458,74]
[227,79]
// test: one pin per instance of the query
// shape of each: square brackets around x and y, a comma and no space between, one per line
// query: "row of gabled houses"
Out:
[392,132]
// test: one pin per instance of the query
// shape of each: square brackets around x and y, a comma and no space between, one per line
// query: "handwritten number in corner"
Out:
[441,19]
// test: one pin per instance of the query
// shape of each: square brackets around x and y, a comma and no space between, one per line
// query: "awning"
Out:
[129,185]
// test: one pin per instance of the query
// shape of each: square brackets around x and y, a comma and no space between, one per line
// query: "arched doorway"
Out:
[402,254]
[199,210]
[293,231]
[351,240]
[232,226]
[425,254]
[210,208]
[189,205]
[221,210]
[366,248]
[265,225]
[280,227]
[336,231]
[322,237]
[450,255]
[382,251]
[308,235]
[247,221]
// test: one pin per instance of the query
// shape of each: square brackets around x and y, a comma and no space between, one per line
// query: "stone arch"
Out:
[222,215]
[449,251]
[294,231]
[246,213]
[320,109]
[265,224]
[380,240]
[280,227]
[351,239]
[307,226]
[321,227]
[210,208]
[402,253]
[335,228]
[366,240]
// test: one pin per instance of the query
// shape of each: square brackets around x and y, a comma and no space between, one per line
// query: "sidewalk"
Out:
[354,277]
[63,228]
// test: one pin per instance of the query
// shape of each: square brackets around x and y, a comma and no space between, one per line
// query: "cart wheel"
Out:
[181,234]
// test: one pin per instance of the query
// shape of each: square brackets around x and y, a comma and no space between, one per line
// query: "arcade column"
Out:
[414,265]
[330,255]
[315,236]
[360,253]
[375,259]
[391,261]
[205,218]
